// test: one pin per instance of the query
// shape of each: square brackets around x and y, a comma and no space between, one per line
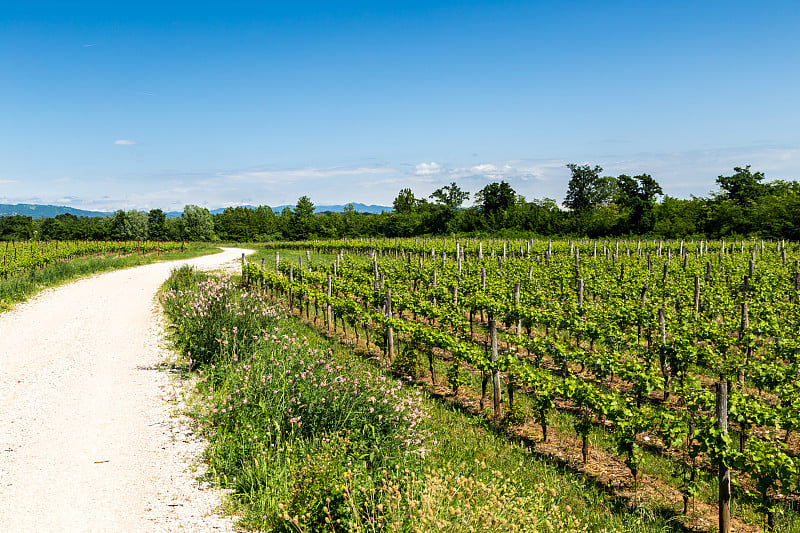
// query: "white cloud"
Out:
[68,200]
[530,178]
[124,142]
[484,168]
[427,169]
[302,174]
[680,174]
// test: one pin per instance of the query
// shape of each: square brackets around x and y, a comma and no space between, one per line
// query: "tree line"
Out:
[594,206]
[194,224]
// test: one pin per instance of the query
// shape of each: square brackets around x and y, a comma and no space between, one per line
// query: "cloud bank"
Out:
[681,174]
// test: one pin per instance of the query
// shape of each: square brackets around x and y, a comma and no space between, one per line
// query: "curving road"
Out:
[88,440]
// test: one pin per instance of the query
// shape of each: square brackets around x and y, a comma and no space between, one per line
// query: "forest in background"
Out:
[594,206]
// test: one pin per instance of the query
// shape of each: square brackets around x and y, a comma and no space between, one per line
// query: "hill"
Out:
[41,211]
[361,208]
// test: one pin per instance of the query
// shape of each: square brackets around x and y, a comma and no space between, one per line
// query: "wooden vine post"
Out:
[263,280]
[665,370]
[483,286]
[696,295]
[796,286]
[291,288]
[495,370]
[743,327]
[389,331]
[642,304]
[724,471]
[328,304]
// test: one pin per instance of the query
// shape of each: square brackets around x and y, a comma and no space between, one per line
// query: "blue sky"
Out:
[109,105]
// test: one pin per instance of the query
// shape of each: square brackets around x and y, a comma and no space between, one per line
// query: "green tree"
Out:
[494,202]
[234,224]
[676,218]
[138,223]
[442,216]
[121,228]
[539,216]
[156,225]
[174,227]
[70,226]
[405,202]
[352,222]
[777,215]
[743,187]
[722,216]
[285,222]
[585,190]
[303,224]
[16,228]
[197,223]
[304,208]
[51,229]
[450,195]
[637,195]
[265,224]
[496,198]
[128,226]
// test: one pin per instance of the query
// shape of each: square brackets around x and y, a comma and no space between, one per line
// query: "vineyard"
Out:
[684,350]
[18,257]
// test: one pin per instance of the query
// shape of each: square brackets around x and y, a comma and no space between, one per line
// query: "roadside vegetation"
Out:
[19,286]
[312,437]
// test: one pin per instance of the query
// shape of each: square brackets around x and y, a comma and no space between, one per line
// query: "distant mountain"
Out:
[360,208]
[41,211]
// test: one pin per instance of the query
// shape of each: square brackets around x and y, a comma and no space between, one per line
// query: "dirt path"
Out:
[88,440]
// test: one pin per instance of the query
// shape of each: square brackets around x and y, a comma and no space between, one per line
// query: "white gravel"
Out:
[89,437]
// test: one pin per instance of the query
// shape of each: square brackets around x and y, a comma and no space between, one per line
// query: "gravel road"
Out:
[89,440]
